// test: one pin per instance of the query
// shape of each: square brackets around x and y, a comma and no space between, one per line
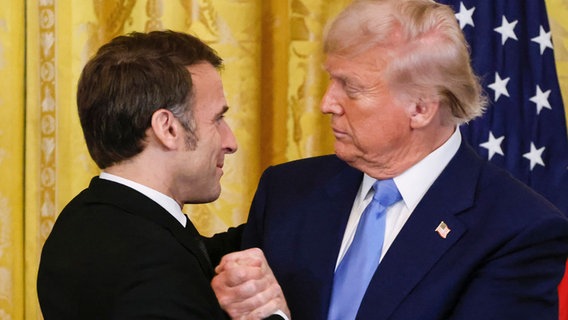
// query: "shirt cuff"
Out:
[282,314]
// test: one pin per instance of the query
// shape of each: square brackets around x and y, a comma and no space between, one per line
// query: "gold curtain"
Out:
[12,95]
[558,19]
[273,81]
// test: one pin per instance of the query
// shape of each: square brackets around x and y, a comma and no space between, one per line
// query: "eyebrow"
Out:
[348,79]
[223,111]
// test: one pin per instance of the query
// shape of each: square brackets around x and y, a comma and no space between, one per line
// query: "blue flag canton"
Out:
[523,129]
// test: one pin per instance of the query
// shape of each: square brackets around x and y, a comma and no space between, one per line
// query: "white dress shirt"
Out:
[412,185]
[164,201]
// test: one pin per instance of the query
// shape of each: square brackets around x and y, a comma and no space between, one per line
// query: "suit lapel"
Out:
[135,203]
[326,212]
[418,246]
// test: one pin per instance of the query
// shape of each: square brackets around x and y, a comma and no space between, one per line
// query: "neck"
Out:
[137,170]
[394,164]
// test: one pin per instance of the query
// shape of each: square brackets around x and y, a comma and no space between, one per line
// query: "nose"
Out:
[229,140]
[329,102]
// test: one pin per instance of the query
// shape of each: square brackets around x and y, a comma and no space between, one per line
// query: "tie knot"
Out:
[386,192]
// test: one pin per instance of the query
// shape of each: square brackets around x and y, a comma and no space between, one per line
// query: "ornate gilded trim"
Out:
[111,16]
[154,10]
[48,116]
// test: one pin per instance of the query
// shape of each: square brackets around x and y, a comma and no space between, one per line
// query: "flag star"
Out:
[500,86]
[465,16]
[541,99]
[535,156]
[493,145]
[506,30]
[544,40]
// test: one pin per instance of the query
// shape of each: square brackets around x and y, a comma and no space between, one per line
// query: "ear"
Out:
[166,128]
[423,112]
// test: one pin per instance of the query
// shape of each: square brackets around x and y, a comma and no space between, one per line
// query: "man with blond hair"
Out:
[405,221]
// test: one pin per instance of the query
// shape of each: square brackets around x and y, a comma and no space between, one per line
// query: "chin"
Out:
[212,197]
[205,198]
[349,157]
[343,153]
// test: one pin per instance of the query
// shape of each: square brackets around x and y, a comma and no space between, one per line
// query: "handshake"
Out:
[246,287]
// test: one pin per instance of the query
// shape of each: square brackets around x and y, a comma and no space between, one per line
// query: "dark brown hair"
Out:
[130,78]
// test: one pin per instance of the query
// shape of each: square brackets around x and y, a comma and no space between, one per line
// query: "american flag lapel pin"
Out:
[443,229]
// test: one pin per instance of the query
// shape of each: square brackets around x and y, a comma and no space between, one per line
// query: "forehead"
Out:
[364,70]
[205,75]
[207,87]
[368,61]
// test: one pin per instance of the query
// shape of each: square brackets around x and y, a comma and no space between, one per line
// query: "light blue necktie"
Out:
[357,267]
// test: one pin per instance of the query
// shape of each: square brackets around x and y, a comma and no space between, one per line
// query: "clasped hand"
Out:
[246,287]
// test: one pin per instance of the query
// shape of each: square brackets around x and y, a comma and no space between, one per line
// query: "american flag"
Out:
[523,129]
[443,230]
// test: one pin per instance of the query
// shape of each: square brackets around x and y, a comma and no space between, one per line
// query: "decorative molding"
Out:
[48,116]
[154,10]
[112,16]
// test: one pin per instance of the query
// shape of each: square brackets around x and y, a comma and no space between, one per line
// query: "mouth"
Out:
[220,171]
[220,165]
[338,133]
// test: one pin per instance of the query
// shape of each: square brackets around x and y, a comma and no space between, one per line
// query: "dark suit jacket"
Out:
[115,254]
[502,259]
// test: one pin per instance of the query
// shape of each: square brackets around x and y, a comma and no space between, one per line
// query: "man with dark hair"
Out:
[151,107]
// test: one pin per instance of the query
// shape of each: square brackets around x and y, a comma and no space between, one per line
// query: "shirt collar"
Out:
[168,203]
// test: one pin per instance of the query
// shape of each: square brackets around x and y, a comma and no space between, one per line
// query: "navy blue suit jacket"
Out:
[503,258]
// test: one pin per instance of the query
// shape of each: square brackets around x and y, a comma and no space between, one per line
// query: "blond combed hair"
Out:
[423,47]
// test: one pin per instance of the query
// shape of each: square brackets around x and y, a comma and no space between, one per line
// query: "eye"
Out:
[220,117]
[352,91]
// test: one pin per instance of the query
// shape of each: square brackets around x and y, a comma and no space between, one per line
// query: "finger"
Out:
[270,307]
[250,295]
[253,256]
[235,276]
[241,307]
[265,301]
[262,312]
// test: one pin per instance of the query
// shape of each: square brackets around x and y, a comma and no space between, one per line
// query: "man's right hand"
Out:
[246,287]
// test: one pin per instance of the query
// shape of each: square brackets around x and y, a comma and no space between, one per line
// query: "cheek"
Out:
[364,118]
[211,137]
[379,127]
[213,147]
